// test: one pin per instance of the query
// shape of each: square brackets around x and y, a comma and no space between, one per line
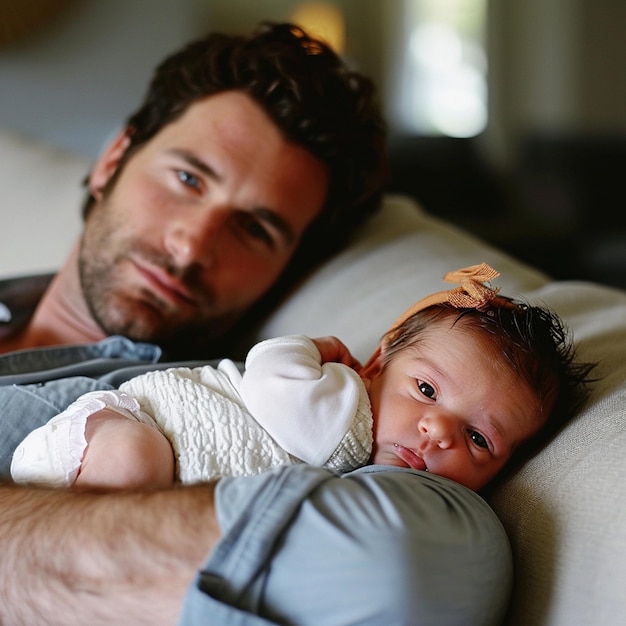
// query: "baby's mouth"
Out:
[410,458]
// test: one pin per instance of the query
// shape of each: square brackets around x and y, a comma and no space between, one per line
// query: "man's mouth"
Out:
[162,284]
[413,460]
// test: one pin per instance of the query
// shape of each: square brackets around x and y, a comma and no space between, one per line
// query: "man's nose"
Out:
[439,426]
[192,238]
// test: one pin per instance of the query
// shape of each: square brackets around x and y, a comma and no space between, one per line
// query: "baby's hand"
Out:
[333,350]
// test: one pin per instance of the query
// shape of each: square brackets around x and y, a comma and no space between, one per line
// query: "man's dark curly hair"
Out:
[316,101]
[536,347]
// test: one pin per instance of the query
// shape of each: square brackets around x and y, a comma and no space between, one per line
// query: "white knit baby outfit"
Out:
[287,408]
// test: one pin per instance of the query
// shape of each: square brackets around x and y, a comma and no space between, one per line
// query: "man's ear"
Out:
[374,365]
[107,163]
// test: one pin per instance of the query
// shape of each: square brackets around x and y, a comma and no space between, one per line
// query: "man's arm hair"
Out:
[79,557]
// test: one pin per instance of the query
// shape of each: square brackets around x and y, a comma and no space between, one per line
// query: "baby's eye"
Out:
[426,389]
[478,439]
[188,179]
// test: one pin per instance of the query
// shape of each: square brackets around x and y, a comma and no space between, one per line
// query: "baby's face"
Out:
[449,405]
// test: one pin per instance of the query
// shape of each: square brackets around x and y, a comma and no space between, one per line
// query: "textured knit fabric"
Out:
[303,404]
[207,424]
[209,415]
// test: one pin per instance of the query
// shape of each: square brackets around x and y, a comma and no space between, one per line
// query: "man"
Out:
[200,211]
[218,186]
[250,160]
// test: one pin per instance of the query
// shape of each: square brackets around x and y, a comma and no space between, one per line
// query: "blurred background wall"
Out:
[506,116]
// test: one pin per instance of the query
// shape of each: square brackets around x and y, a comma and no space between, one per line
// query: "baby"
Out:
[460,384]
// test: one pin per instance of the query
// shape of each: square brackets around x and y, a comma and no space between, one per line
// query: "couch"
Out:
[564,510]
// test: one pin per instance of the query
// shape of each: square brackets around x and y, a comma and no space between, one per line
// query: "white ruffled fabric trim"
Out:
[52,454]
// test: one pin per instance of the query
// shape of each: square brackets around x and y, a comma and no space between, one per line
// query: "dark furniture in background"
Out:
[562,209]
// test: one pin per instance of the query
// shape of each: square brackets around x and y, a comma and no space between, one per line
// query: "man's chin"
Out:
[140,333]
[139,323]
[146,321]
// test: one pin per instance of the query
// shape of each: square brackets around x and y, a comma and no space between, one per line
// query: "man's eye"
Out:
[478,439]
[188,179]
[256,230]
[426,389]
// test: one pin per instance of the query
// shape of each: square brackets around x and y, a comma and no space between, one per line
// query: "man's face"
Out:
[199,224]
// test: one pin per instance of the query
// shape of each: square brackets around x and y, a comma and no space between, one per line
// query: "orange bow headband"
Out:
[472,293]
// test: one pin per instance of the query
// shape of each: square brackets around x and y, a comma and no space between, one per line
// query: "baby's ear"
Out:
[374,365]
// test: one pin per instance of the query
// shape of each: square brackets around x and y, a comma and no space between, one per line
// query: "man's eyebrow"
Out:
[195,161]
[264,213]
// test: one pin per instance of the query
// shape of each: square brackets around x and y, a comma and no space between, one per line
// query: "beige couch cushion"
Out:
[41,194]
[565,511]
[397,258]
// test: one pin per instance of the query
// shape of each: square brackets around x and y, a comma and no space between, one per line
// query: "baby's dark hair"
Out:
[535,345]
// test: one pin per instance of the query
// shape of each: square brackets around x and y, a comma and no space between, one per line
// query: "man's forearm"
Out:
[77,557]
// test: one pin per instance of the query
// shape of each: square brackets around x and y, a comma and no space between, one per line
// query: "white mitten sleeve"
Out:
[306,406]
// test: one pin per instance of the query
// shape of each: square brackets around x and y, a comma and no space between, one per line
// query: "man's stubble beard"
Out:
[141,316]
[99,271]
